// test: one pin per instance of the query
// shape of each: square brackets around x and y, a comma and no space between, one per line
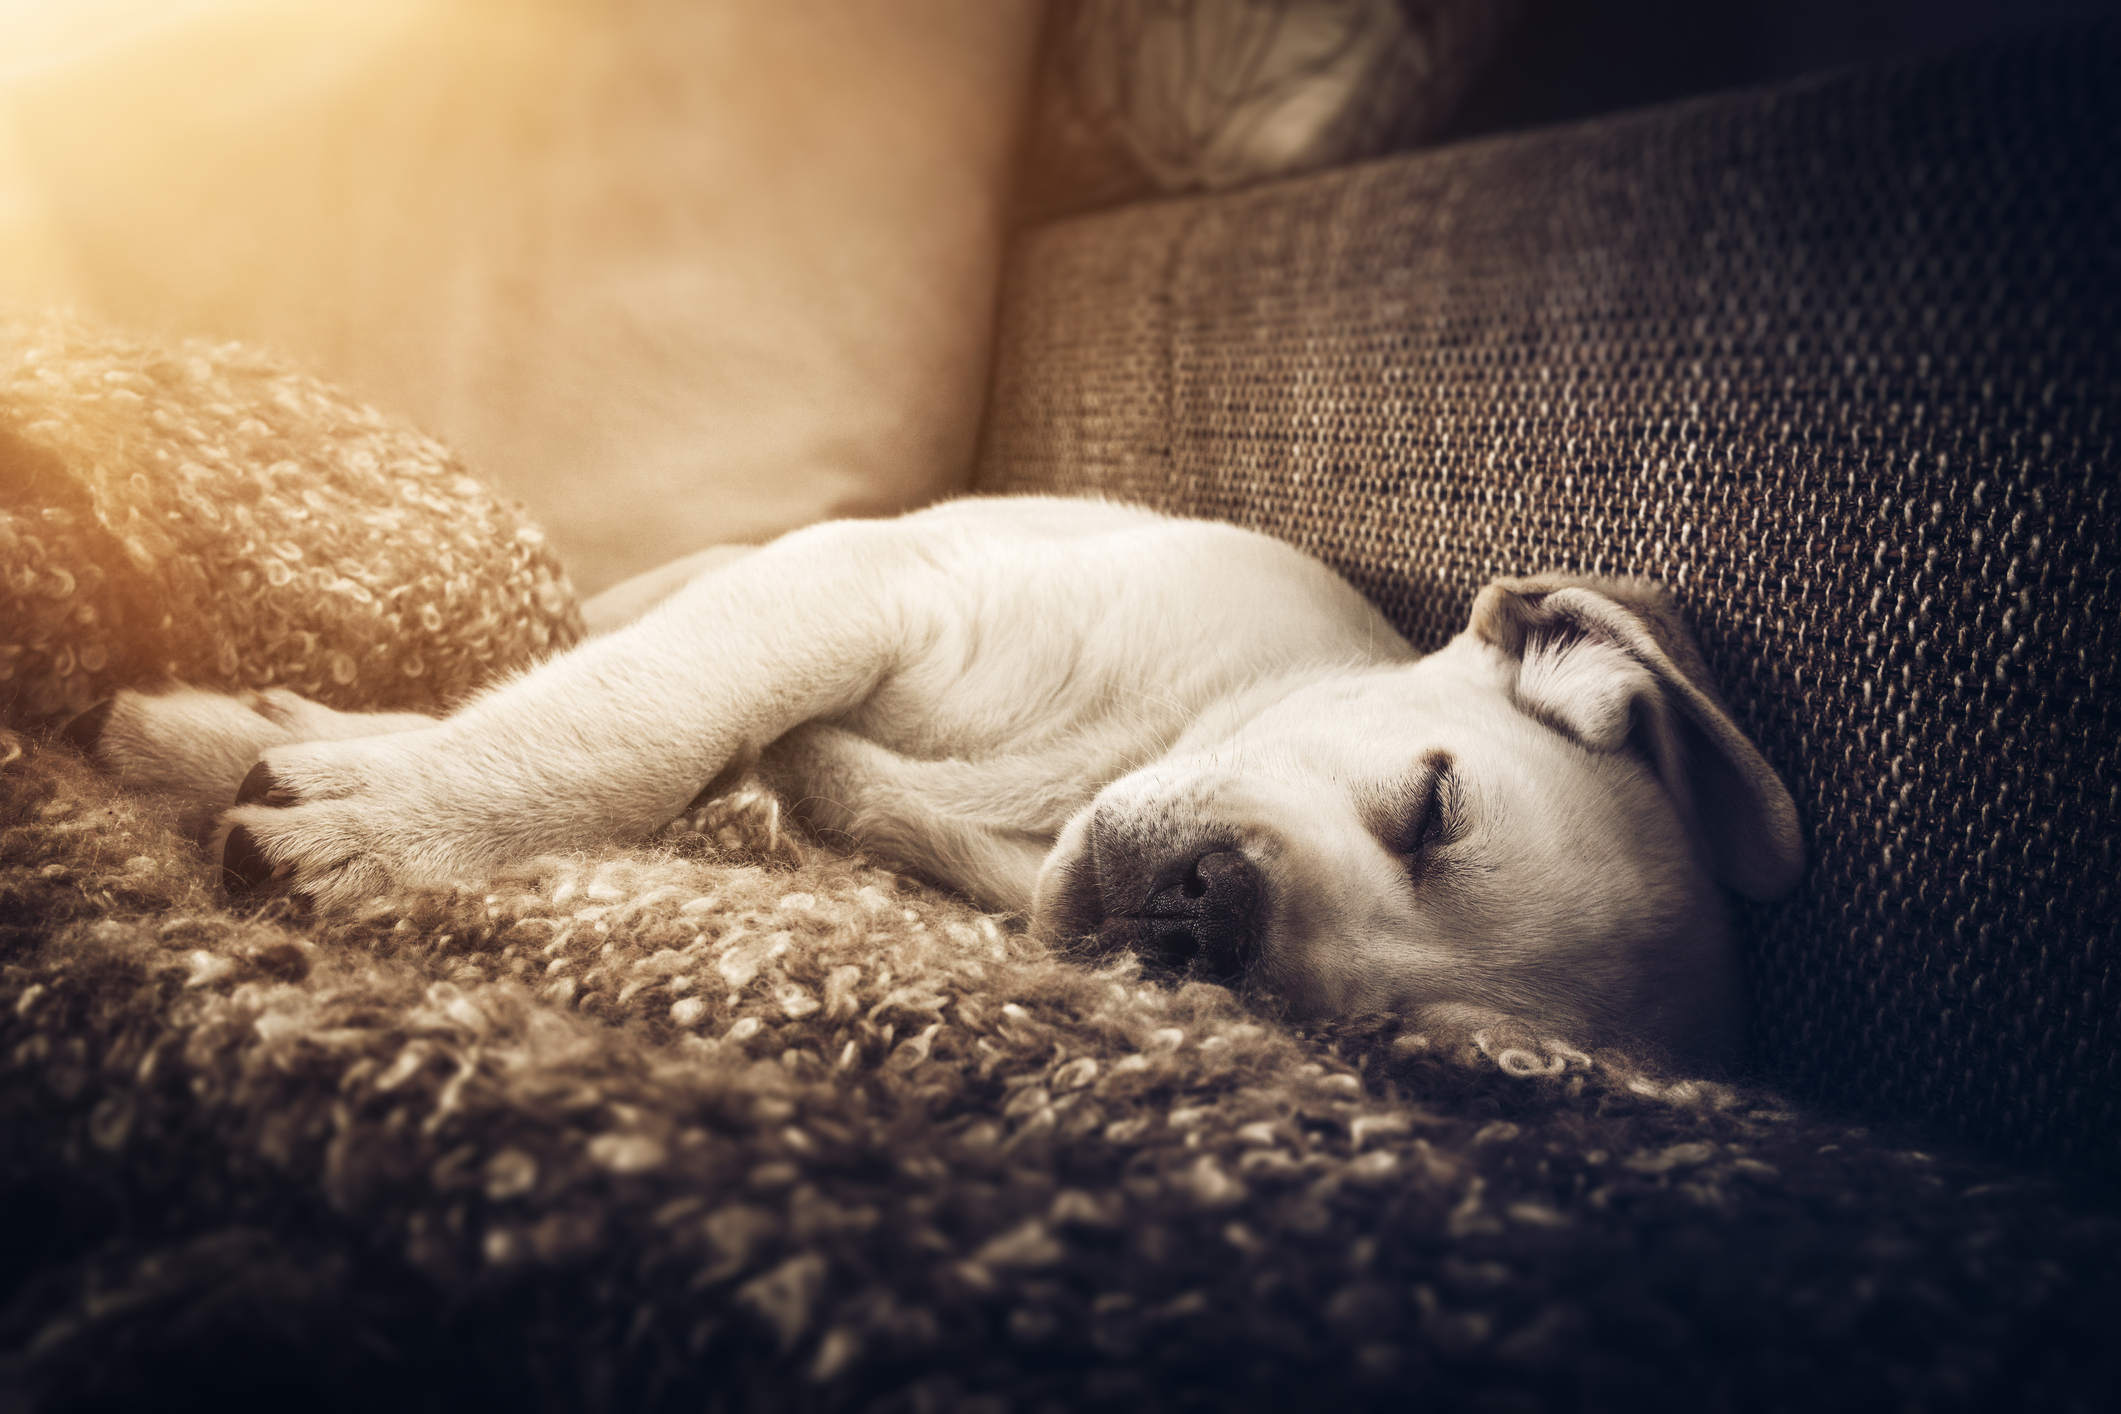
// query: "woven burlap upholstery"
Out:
[1836,361]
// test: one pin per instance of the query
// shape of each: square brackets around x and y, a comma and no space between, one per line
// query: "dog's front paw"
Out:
[338,824]
[182,741]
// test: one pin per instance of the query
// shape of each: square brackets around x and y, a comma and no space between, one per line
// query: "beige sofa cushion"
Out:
[671,273]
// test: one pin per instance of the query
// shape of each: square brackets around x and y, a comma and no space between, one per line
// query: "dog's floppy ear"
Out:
[1611,663]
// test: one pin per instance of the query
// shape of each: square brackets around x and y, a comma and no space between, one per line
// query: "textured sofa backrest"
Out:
[1838,362]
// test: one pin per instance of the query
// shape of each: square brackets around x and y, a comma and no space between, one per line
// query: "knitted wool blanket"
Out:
[728,1120]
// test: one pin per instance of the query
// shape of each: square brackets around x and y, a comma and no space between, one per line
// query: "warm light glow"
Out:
[672,272]
[124,123]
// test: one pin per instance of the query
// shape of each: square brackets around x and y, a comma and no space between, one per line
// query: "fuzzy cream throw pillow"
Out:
[201,513]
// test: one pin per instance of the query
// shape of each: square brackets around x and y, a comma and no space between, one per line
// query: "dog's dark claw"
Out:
[260,787]
[244,867]
[86,730]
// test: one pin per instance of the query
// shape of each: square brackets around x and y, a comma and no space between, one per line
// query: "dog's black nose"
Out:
[1204,922]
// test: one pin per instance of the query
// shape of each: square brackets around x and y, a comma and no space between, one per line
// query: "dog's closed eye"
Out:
[1424,816]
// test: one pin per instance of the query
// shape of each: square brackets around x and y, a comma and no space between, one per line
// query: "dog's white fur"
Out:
[1064,708]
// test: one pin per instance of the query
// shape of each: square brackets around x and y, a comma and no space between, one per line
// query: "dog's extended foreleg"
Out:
[609,741]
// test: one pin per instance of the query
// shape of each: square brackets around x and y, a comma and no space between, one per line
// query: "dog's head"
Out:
[1539,821]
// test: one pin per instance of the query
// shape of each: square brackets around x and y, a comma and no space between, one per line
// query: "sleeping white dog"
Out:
[1171,736]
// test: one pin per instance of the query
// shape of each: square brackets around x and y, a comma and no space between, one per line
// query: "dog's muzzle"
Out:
[1203,922]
